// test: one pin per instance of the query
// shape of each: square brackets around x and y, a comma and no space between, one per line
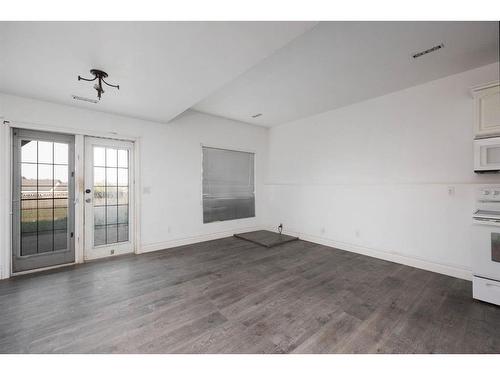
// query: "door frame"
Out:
[6,191]
[89,251]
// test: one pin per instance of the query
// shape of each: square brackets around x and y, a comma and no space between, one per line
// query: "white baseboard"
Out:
[391,256]
[445,269]
[43,269]
[146,248]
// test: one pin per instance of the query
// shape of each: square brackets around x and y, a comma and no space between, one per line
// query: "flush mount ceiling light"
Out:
[99,75]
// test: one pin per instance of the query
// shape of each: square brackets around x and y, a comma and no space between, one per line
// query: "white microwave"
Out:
[487,155]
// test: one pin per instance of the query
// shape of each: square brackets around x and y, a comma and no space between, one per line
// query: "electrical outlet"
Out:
[112,251]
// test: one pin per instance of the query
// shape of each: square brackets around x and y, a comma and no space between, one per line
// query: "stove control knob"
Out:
[496,192]
[486,192]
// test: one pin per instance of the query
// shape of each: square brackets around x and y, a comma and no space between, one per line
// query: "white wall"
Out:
[374,177]
[170,164]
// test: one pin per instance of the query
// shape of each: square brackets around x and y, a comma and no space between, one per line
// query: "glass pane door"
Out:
[108,197]
[42,194]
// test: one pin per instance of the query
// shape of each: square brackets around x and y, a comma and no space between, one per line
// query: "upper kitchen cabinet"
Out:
[487,110]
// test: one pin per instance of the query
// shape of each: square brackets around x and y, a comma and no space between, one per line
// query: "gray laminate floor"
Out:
[231,296]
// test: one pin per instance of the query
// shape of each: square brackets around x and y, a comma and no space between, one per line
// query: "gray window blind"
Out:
[228,185]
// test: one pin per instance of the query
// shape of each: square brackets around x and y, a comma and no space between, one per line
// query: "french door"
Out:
[42,200]
[109,198]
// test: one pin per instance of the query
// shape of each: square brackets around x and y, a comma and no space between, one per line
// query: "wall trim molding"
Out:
[146,248]
[475,89]
[379,184]
[391,256]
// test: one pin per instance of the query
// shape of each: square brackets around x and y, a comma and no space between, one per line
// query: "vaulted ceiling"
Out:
[283,70]
[163,68]
[340,63]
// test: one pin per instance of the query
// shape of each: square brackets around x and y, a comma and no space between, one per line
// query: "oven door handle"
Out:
[479,218]
[483,221]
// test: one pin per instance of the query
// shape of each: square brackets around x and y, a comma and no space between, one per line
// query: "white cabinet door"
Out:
[487,110]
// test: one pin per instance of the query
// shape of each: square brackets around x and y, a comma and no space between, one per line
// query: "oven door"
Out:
[487,155]
[486,249]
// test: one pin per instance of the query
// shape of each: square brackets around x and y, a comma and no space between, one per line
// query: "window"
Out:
[44,196]
[228,185]
[111,195]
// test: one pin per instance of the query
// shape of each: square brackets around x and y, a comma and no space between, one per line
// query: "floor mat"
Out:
[266,238]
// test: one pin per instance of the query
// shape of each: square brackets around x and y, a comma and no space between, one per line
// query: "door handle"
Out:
[88,191]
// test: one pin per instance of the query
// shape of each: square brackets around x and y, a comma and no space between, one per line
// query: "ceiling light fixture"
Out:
[99,75]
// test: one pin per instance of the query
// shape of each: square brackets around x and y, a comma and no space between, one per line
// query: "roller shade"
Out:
[228,185]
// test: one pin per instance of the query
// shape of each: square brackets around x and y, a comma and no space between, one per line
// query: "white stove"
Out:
[486,245]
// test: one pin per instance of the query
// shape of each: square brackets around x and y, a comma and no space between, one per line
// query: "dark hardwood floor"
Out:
[231,296]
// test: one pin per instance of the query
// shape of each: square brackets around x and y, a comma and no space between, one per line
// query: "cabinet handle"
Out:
[495,285]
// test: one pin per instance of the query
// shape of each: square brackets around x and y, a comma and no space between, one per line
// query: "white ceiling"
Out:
[339,63]
[163,68]
[284,70]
